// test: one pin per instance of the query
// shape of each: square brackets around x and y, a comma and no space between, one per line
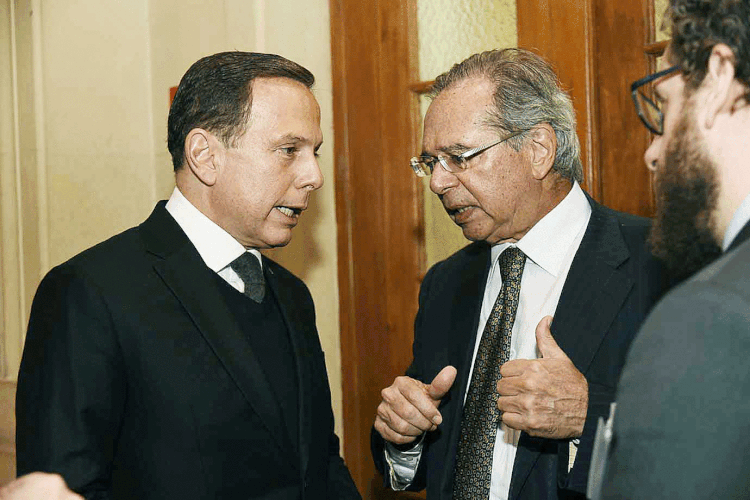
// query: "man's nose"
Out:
[651,156]
[312,178]
[441,180]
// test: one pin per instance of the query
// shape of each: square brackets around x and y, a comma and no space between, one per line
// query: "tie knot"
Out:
[248,269]
[512,261]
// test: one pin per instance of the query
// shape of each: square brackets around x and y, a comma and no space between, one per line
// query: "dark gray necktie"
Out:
[473,472]
[248,269]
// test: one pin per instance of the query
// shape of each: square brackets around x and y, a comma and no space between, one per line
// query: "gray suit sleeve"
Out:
[683,406]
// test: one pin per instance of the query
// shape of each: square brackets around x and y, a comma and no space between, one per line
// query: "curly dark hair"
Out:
[698,25]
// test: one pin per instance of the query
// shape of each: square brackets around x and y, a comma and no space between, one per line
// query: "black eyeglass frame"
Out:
[635,90]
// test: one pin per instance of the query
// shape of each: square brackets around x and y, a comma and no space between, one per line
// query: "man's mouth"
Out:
[289,211]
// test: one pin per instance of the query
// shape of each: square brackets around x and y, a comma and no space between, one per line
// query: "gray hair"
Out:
[527,93]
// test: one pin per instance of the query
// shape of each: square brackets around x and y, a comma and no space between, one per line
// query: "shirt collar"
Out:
[739,219]
[548,242]
[216,247]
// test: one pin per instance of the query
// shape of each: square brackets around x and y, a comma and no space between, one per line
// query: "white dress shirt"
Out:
[216,247]
[739,219]
[549,247]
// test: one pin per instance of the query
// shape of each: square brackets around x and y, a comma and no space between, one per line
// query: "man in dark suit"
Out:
[500,144]
[683,403]
[172,360]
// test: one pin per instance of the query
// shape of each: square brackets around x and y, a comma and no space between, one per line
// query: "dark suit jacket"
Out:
[612,283]
[682,425]
[136,381]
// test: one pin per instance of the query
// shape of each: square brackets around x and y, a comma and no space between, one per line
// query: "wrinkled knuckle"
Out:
[529,403]
[387,394]
[382,411]
[532,385]
[535,423]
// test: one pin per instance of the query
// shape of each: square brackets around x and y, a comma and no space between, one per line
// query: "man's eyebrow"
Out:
[296,139]
[291,138]
[452,149]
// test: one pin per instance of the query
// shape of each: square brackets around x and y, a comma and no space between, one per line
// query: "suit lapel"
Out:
[594,290]
[286,301]
[193,283]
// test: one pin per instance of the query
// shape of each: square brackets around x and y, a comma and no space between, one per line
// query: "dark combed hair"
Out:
[216,95]
[698,25]
[527,93]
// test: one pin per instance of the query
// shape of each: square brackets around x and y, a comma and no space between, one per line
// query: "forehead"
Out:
[282,103]
[458,113]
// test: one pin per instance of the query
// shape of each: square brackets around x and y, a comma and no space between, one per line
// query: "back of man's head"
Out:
[215,94]
[527,92]
[698,25]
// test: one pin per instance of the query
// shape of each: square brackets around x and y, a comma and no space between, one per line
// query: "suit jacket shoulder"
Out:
[683,402]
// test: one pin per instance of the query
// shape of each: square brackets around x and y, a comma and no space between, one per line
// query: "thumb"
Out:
[441,383]
[545,342]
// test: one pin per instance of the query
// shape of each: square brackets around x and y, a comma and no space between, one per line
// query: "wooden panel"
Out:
[377,209]
[625,181]
[596,47]
[561,32]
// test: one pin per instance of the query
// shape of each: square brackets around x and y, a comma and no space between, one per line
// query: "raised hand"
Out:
[546,397]
[409,407]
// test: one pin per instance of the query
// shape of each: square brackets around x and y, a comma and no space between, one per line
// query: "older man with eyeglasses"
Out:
[499,403]
[683,403]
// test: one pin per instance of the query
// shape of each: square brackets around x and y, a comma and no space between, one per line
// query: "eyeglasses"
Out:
[648,110]
[424,165]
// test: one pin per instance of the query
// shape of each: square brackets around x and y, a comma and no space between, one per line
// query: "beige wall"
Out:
[660,7]
[449,32]
[84,89]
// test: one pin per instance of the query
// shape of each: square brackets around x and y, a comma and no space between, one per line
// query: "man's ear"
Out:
[722,90]
[203,153]
[543,150]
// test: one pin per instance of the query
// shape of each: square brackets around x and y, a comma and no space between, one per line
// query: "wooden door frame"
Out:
[378,209]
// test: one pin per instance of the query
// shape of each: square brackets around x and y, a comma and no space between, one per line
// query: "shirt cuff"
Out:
[403,464]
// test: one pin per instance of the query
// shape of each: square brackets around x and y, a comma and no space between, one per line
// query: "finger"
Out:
[442,383]
[422,410]
[515,367]
[513,420]
[511,404]
[408,399]
[390,435]
[545,342]
[401,425]
[508,387]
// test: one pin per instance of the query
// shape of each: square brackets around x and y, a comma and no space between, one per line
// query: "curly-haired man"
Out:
[683,402]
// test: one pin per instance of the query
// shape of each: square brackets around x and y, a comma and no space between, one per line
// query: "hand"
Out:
[38,486]
[546,397]
[409,407]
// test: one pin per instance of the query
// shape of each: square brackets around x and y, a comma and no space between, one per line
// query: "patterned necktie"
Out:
[248,269]
[481,417]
